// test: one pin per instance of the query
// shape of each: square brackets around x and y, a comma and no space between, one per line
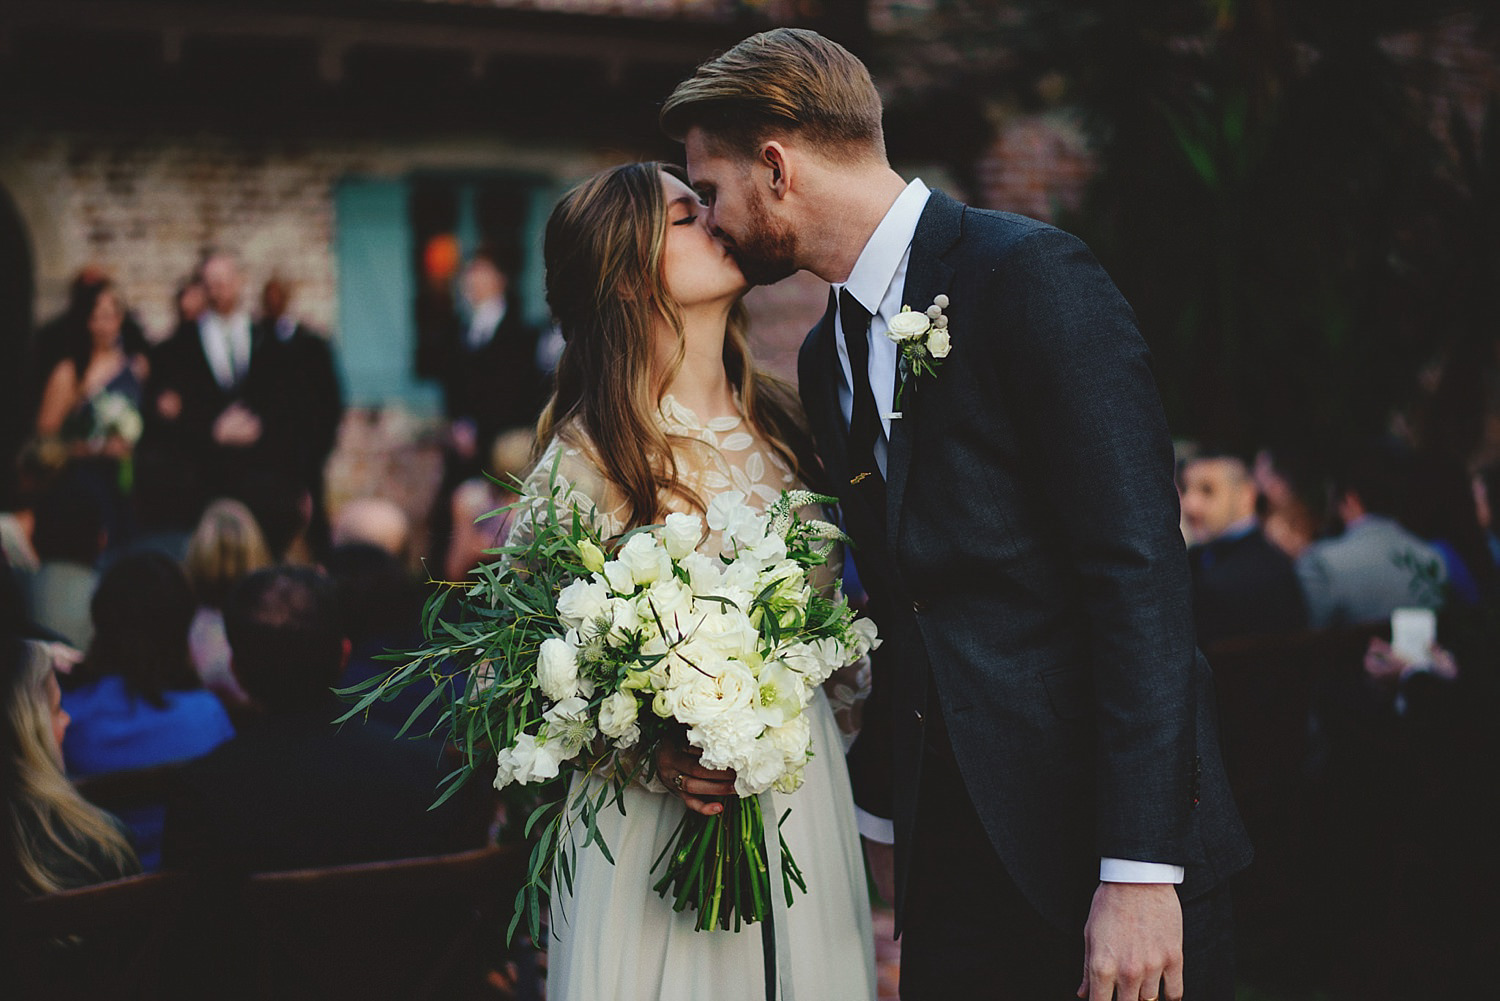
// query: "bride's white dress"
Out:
[613,937]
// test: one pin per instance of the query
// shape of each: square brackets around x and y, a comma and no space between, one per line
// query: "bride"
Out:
[658,407]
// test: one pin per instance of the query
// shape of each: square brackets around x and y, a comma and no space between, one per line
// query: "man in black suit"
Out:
[291,789]
[212,399]
[1242,584]
[1041,730]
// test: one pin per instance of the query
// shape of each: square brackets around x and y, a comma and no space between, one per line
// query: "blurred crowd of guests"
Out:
[175,593]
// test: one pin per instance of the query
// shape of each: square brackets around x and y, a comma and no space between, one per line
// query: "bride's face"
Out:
[696,267]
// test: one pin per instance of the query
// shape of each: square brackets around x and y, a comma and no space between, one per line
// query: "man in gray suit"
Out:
[1375,566]
[1040,739]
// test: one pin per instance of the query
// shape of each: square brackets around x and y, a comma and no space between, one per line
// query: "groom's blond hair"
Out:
[787,81]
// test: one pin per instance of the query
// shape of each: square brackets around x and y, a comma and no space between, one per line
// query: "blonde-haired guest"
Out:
[57,839]
[227,546]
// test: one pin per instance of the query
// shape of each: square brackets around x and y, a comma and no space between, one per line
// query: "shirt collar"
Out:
[878,263]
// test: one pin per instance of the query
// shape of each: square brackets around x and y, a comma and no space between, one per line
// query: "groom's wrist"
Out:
[873,828]
[1118,870]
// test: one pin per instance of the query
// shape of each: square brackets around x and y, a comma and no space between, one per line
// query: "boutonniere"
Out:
[921,344]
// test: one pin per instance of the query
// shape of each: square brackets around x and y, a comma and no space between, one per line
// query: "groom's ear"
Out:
[775,170]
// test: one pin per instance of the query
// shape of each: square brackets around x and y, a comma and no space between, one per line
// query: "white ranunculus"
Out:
[617,719]
[937,343]
[581,601]
[681,534]
[907,325]
[647,560]
[557,669]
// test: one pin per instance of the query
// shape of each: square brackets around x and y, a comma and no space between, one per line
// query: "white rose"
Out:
[728,632]
[681,534]
[646,559]
[557,669]
[617,719]
[670,599]
[619,578]
[937,343]
[703,696]
[704,572]
[581,601]
[907,326]
[623,620]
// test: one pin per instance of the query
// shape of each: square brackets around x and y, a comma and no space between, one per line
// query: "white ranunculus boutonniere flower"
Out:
[921,344]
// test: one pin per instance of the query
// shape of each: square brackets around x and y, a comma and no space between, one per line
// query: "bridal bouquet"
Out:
[576,655]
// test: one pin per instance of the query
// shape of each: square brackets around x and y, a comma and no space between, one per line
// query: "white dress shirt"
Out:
[486,318]
[226,345]
[877,283]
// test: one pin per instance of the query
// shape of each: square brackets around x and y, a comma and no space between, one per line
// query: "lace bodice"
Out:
[712,457]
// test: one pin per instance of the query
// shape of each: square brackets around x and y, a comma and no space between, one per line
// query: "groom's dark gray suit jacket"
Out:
[1031,570]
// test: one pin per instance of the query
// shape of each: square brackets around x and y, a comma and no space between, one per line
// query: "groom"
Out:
[1040,743]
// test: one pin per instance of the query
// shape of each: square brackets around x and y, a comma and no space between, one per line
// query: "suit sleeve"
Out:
[1096,444]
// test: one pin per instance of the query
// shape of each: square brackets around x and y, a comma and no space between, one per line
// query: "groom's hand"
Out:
[679,770]
[1132,944]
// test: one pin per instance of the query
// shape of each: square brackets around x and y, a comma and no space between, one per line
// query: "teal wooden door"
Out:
[377,288]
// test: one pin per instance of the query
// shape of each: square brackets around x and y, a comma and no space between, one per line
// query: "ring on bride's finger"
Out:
[678,782]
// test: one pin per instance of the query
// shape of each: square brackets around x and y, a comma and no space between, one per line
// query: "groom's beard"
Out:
[768,253]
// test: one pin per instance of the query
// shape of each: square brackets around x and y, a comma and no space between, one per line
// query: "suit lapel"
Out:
[926,276]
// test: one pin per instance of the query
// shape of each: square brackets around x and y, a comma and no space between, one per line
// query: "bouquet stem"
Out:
[706,853]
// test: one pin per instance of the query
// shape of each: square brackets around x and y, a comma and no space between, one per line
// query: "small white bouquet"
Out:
[575,660]
[115,416]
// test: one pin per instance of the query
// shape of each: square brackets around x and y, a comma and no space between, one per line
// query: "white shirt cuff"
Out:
[877,829]
[1119,870]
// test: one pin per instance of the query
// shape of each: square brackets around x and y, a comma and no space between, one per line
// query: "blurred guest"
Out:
[1242,585]
[57,840]
[283,508]
[375,521]
[191,301]
[140,703]
[380,605]
[1376,565]
[226,547]
[18,521]
[308,384]
[1441,509]
[54,338]
[291,790]
[1486,487]
[216,398]
[488,366]
[69,537]
[1292,495]
[480,496]
[92,402]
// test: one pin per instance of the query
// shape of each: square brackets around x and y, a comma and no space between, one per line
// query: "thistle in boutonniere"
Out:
[921,344]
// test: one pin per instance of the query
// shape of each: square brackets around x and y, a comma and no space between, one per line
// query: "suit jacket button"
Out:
[918,715]
[919,607]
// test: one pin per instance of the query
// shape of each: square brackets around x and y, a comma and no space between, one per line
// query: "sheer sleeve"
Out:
[566,479]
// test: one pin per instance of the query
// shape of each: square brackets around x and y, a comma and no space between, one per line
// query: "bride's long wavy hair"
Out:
[605,286]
